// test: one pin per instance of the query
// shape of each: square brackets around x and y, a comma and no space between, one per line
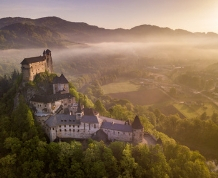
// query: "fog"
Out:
[162,52]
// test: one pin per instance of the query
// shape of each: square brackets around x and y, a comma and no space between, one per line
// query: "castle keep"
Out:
[63,118]
[34,65]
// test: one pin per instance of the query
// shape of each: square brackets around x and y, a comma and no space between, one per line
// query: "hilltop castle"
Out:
[35,65]
[63,118]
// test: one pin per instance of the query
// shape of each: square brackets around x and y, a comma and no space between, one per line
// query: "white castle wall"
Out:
[82,131]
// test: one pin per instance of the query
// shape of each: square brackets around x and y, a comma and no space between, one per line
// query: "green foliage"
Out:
[194,80]
[86,101]
[100,108]
[121,113]
[23,123]
[44,77]
[197,133]
[24,153]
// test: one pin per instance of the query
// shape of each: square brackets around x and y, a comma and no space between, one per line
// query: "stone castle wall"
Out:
[36,68]
[137,135]
[118,135]
[26,72]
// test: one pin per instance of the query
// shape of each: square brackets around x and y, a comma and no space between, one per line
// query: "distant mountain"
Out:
[53,31]
[20,35]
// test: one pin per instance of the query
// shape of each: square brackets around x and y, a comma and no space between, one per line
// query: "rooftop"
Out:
[62,119]
[50,98]
[116,126]
[33,60]
[60,80]
[137,123]
[89,119]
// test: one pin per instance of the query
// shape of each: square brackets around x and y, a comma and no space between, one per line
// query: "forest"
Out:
[26,152]
[189,135]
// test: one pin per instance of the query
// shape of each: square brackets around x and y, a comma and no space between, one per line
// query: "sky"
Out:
[191,15]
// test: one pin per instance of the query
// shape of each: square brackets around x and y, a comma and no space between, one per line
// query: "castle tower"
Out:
[60,85]
[49,63]
[137,131]
[79,111]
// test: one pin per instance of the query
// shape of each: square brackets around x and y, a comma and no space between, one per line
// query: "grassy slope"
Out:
[119,87]
[193,111]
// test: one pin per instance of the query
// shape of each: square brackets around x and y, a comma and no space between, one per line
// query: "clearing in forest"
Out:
[119,87]
[194,110]
[143,97]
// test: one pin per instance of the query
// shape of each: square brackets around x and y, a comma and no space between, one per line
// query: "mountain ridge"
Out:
[66,32]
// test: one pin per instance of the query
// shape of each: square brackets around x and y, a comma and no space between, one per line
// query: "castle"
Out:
[63,118]
[34,65]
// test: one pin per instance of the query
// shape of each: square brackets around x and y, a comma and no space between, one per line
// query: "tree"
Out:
[128,165]
[100,108]
[173,92]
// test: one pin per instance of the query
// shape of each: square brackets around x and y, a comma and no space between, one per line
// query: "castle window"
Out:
[64,125]
[73,120]
[73,126]
[61,120]
[69,125]
[60,130]
[94,125]
[73,130]
[78,126]
[59,125]
[70,129]
[53,128]
[65,130]
[77,130]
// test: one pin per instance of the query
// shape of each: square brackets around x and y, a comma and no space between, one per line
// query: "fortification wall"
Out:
[137,135]
[26,72]
[118,135]
[36,68]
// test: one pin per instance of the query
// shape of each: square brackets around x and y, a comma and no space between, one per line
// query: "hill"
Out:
[58,32]
[20,35]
